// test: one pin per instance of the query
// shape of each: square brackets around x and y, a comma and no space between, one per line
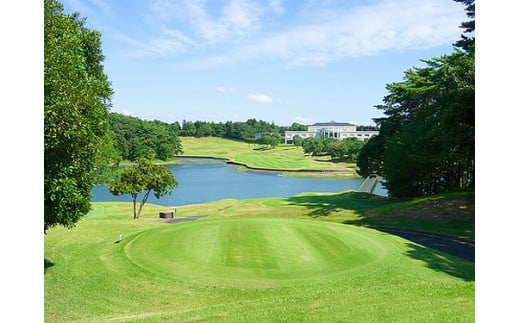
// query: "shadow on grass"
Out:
[47,264]
[359,204]
[325,205]
[334,161]
[438,261]
[262,148]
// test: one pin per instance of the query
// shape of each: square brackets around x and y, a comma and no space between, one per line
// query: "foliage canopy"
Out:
[142,177]
[77,93]
[426,143]
[136,138]
[345,149]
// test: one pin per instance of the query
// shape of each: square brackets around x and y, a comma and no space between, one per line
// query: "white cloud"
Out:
[170,42]
[384,26]
[202,25]
[237,18]
[224,89]
[245,30]
[167,43]
[260,98]
[276,6]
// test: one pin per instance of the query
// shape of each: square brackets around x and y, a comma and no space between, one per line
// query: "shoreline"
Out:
[284,172]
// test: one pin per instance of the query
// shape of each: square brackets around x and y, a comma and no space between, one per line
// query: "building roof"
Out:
[332,124]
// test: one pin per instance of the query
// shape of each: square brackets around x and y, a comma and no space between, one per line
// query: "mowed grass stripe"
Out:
[254,251]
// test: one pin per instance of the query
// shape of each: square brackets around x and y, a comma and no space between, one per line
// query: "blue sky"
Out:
[275,60]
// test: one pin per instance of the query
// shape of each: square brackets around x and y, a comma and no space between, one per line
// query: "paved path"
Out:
[458,248]
[185,219]
[368,184]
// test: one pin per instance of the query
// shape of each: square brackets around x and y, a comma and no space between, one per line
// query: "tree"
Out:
[143,138]
[142,177]
[310,145]
[370,158]
[426,143]
[297,141]
[269,139]
[347,149]
[77,137]
[467,43]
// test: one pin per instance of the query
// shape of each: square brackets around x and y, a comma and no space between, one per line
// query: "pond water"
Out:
[203,181]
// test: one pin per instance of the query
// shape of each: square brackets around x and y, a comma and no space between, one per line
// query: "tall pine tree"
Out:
[427,139]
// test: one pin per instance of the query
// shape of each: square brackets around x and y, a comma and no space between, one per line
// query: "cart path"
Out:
[455,247]
[185,219]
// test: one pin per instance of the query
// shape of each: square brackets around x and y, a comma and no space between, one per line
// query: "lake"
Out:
[205,180]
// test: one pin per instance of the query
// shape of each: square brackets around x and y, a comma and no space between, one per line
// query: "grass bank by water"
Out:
[281,158]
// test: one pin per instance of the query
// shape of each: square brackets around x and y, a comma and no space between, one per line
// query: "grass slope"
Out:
[251,260]
[282,157]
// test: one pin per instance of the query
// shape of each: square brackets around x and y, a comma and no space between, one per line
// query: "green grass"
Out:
[282,157]
[277,259]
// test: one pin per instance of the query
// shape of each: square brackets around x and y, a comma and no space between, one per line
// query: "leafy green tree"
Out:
[297,141]
[142,177]
[140,147]
[298,127]
[347,149]
[188,129]
[310,145]
[271,140]
[77,137]
[142,138]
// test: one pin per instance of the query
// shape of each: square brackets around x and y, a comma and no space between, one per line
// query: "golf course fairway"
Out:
[224,267]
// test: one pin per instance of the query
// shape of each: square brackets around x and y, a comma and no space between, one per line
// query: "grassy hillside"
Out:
[271,259]
[282,157]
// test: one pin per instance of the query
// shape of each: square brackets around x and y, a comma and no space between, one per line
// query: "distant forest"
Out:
[155,139]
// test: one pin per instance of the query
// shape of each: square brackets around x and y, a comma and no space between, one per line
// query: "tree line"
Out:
[135,138]
[426,143]
[248,131]
[155,139]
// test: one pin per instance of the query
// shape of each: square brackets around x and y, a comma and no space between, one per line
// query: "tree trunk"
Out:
[134,198]
[143,201]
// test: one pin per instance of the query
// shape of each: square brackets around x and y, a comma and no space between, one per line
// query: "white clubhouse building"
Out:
[336,130]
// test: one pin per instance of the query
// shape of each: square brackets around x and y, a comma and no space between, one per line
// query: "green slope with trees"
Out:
[282,158]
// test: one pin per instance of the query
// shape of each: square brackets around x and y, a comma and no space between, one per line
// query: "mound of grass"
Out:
[282,157]
[249,260]
[256,252]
